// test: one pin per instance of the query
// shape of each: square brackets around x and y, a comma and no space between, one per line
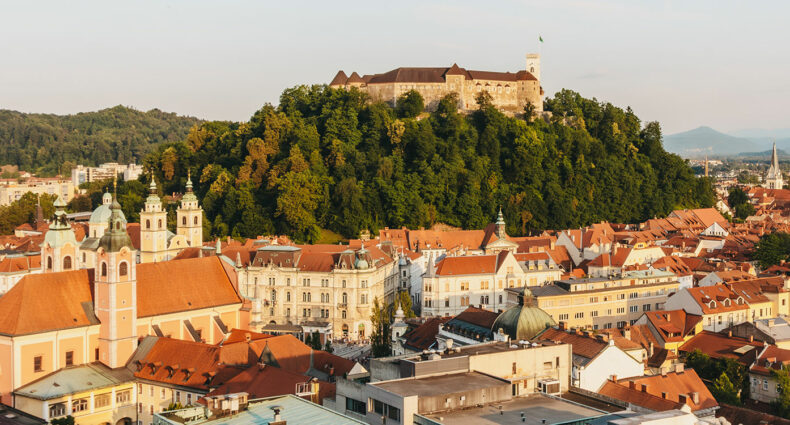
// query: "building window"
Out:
[150,409]
[464,300]
[159,223]
[464,286]
[288,296]
[594,313]
[79,405]
[446,302]
[101,400]
[189,399]
[564,316]
[343,314]
[56,410]
[104,269]
[484,285]
[500,299]
[67,263]
[163,394]
[345,298]
[343,284]
[49,263]
[484,299]
[147,224]
[633,308]
[123,397]
[305,282]
[151,391]
[139,388]
[37,364]
[195,220]
[69,358]
[96,354]
[579,315]
[356,406]
[178,396]
[184,220]
[123,268]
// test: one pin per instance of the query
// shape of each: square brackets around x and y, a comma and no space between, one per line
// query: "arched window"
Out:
[123,269]
[49,263]
[117,225]
[147,224]
[159,224]
[195,220]
[184,220]
[67,263]
[345,298]
[104,269]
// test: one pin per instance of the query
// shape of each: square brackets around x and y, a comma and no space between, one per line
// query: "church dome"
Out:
[102,213]
[523,321]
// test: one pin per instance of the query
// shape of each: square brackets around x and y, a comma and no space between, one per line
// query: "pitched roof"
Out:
[240,335]
[582,345]
[714,299]
[27,310]
[20,264]
[183,363]
[74,379]
[340,79]
[477,316]
[289,353]
[424,336]
[673,325]
[674,384]
[719,346]
[770,358]
[267,381]
[470,264]
[190,285]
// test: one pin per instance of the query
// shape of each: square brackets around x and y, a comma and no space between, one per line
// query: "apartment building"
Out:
[11,189]
[603,303]
[328,287]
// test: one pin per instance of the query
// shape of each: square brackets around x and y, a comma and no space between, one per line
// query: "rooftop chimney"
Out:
[632,385]
[695,397]
[614,378]
[562,325]
[679,368]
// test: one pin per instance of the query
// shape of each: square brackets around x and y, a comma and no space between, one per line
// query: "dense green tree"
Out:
[781,406]
[772,249]
[381,346]
[52,144]
[410,104]
[66,420]
[724,391]
[23,210]
[334,159]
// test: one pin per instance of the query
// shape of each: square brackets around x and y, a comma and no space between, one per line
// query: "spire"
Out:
[500,225]
[189,181]
[775,159]
[189,197]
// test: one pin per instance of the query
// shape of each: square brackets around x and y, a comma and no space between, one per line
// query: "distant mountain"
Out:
[762,133]
[781,153]
[703,141]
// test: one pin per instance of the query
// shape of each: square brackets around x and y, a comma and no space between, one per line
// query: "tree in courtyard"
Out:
[772,249]
[724,391]
[380,338]
[781,406]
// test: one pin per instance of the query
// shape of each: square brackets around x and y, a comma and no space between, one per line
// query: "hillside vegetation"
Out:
[49,144]
[327,158]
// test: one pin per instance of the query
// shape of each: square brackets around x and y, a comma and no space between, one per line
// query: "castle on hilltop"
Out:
[510,92]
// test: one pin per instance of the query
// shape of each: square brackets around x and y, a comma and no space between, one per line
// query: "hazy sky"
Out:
[684,63]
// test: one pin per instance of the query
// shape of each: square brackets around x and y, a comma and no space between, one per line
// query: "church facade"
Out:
[68,316]
[774,179]
[510,92]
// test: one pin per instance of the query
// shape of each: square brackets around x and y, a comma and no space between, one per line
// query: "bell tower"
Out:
[153,228]
[115,294]
[59,250]
[189,216]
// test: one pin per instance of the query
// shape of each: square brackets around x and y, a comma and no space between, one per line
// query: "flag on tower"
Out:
[540,38]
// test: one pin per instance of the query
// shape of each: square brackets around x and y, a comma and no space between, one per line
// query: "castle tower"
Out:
[153,228]
[59,249]
[115,294]
[773,180]
[533,65]
[189,217]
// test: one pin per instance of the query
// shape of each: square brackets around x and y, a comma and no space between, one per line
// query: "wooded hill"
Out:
[48,144]
[331,159]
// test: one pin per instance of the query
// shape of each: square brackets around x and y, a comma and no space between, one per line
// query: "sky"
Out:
[723,64]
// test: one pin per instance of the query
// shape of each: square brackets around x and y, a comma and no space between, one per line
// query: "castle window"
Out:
[184,220]
[67,263]
[104,269]
[123,269]
[147,224]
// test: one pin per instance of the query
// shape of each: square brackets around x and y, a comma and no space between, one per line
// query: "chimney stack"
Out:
[679,368]
[632,385]
[614,378]
[695,397]
[562,325]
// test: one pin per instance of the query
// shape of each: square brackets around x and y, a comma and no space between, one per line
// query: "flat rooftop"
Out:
[478,349]
[535,409]
[442,384]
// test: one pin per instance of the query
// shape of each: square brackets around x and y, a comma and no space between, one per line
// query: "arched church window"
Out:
[49,263]
[117,225]
[147,224]
[159,224]
[195,220]
[104,269]
[123,269]
[184,220]
[67,263]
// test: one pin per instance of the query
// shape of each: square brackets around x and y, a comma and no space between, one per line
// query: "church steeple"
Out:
[189,216]
[774,179]
[153,227]
[115,291]
[59,249]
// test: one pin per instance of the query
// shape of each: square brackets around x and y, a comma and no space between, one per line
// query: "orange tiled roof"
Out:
[289,353]
[470,264]
[771,358]
[20,264]
[662,392]
[584,346]
[718,345]
[673,325]
[424,336]
[268,381]
[714,299]
[162,288]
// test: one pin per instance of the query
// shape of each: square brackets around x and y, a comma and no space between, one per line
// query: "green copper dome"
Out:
[102,213]
[523,321]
